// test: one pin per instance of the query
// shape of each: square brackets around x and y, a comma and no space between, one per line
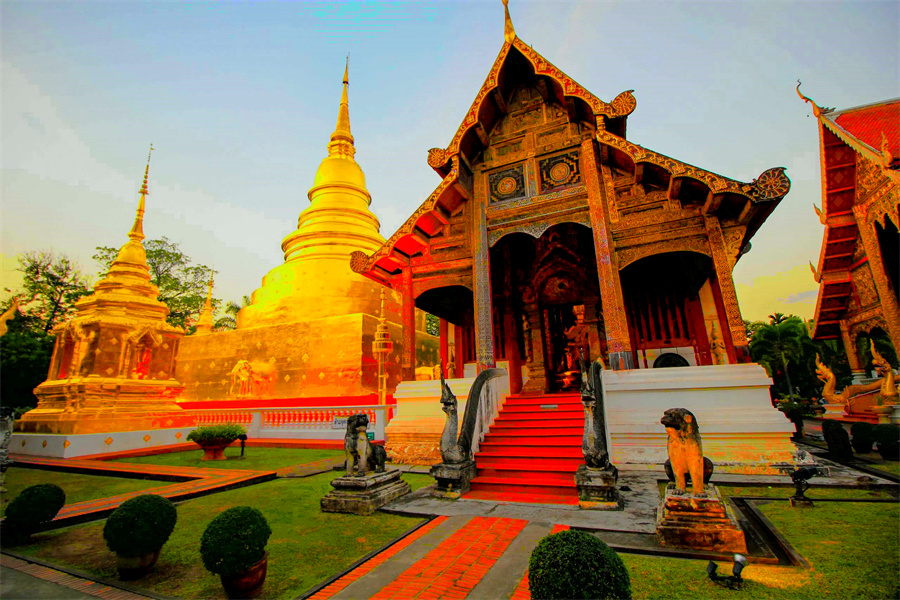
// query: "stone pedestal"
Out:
[696,523]
[364,495]
[452,480]
[597,488]
[795,503]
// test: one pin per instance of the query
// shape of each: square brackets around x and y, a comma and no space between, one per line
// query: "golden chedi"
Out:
[309,328]
[113,365]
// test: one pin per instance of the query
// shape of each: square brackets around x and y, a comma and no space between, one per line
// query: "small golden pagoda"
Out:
[310,327]
[113,365]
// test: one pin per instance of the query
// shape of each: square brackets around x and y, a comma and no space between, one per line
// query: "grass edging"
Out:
[87,576]
[313,590]
[771,531]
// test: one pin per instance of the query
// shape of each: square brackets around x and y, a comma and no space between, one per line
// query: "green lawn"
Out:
[306,547]
[259,459]
[888,466]
[854,550]
[78,488]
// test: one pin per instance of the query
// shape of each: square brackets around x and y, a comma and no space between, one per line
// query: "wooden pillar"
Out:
[445,346]
[481,276]
[722,319]
[726,288]
[512,351]
[890,309]
[617,339]
[852,354]
[534,350]
[408,316]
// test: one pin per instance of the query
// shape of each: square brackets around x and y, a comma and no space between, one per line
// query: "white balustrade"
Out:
[302,422]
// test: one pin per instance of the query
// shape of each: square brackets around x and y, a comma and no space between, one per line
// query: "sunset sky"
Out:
[239,101]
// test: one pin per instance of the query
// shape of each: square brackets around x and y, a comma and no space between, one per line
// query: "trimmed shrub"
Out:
[140,526]
[234,541]
[215,434]
[575,564]
[886,435]
[35,506]
[862,439]
[838,440]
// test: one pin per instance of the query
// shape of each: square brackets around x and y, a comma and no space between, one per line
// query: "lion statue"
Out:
[359,451]
[685,449]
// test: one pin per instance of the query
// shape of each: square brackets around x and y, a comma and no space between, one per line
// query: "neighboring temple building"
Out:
[113,365]
[859,263]
[309,329]
[551,234]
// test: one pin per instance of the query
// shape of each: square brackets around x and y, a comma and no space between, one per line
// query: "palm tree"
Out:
[779,343]
[229,321]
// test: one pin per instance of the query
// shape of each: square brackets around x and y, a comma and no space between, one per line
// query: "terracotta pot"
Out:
[134,567]
[214,451]
[249,583]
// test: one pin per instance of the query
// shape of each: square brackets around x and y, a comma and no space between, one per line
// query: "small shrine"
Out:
[113,365]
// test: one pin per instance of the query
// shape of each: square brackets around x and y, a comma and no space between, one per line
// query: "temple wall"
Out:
[324,357]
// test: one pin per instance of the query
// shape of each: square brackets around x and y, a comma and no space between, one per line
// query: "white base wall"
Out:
[58,445]
[739,428]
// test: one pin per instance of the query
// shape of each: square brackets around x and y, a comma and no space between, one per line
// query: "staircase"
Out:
[532,451]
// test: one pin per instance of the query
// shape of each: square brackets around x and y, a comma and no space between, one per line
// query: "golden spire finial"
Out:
[342,140]
[137,230]
[509,32]
[382,316]
[205,321]
[886,157]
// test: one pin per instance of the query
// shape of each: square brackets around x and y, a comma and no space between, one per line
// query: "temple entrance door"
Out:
[568,338]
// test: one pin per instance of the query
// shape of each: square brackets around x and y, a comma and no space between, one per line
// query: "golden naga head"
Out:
[822,371]
[878,361]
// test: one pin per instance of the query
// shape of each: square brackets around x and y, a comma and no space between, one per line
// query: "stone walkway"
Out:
[23,580]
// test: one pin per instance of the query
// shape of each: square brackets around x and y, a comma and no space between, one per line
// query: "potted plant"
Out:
[886,436]
[136,532]
[838,440]
[32,508]
[234,547]
[215,438]
[862,437]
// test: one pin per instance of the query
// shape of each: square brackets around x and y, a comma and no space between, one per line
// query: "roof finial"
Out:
[137,230]
[509,32]
[342,140]
[818,111]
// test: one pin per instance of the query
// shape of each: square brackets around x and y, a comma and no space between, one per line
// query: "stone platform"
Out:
[597,488]
[364,495]
[696,523]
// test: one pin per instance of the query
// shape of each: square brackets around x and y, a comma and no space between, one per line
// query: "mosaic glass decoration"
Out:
[508,184]
[559,172]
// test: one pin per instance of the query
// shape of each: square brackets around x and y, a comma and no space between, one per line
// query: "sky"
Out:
[239,101]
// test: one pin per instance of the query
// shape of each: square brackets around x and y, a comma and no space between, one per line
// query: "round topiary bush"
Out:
[140,526]
[575,564]
[35,506]
[838,440]
[235,540]
[862,437]
[886,435]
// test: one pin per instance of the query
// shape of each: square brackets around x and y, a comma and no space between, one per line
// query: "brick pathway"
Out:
[194,482]
[70,581]
[522,591]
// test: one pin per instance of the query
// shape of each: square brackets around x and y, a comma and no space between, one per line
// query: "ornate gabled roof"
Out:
[622,106]
[875,127]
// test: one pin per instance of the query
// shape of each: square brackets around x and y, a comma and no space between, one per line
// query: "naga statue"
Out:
[887,386]
[456,450]
[593,443]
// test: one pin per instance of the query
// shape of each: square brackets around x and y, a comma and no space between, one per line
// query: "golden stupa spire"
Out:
[341,143]
[137,230]
[205,321]
[509,32]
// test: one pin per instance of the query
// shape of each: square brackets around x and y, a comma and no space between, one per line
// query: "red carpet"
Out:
[532,451]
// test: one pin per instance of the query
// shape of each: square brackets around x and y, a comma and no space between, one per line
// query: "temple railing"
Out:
[490,400]
[306,422]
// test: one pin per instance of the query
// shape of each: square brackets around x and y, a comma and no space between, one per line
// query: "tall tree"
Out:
[778,344]
[182,285]
[51,284]
[229,320]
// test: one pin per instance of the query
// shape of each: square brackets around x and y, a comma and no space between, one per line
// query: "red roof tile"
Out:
[866,124]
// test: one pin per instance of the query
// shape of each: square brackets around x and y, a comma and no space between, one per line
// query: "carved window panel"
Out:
[507,184]
[559,172]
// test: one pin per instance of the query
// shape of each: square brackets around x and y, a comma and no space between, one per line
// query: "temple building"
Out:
[309,329]
[859,263]
[113,365]
[551,235]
